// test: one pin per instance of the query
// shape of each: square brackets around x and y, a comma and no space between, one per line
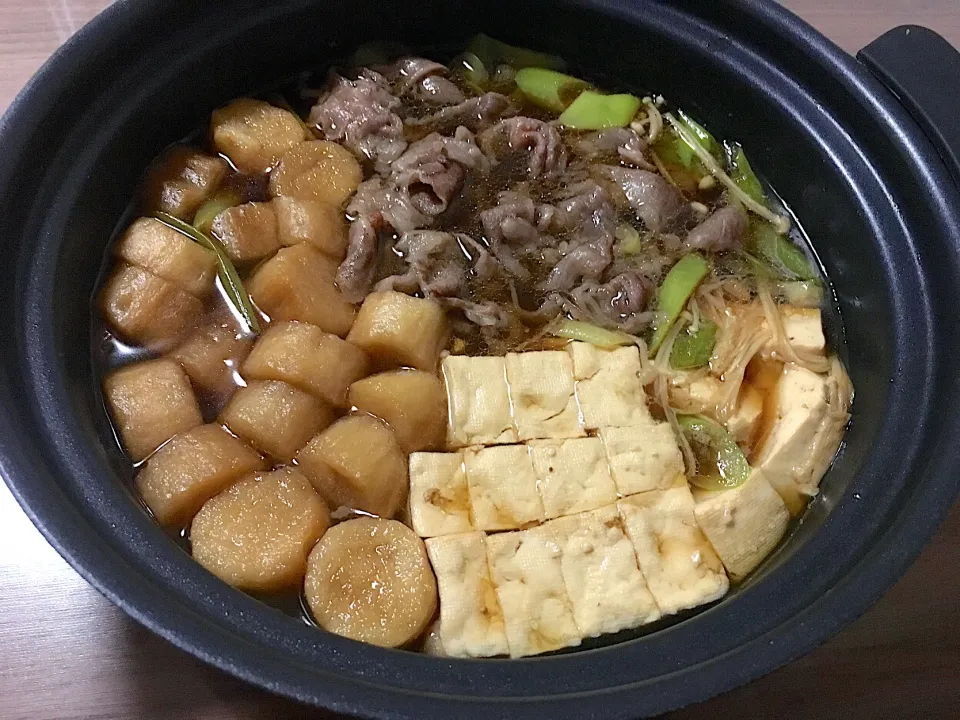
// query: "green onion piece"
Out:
[493,52]
[593,111]
[207,213]
[629,237]
[765,242]
[802,293]
[694,349]
[700,133]
[504,79]
[721,464]
[675,291]
[585,332]
[471,68]
[548,88]
[743,175]
[229,278]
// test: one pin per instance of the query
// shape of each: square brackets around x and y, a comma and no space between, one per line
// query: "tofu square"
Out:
[471,621]
[439,498]
[503,487]
[572,475]
[680,566]
[608,386]
[606,587]
[542,392]
[478,400]
[642,458]
[804,329]
[537,610]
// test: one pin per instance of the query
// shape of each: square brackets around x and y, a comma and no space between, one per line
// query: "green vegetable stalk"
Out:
[743,175]
[766,243]
[694,349]
[675,291]
[548,88]
[207,213]
[585,332]
[493,52]
[721,464]
[472,70]
[593,111]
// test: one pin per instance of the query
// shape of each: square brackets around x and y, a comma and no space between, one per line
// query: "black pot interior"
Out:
[834,158]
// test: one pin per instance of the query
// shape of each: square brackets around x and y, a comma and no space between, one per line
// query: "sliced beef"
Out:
[617,142]
[476,113]
[436,265]
[619,304]
[358,269]
[587,205]
[439,90]
[585,261]
[486,314]
[653,199]
[723,230]
[362,115]
[542,141]
[515,227]
[423,79]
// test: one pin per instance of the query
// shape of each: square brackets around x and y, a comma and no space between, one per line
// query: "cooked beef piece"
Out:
[486,313]
[587,205]
[616,142]
[618,304]
[362,115]
[439,91]
[547,153]
[422,78]
[436,265]
[723,230]
[653,199]
[356,273]
[476,114]
[582,262]
[516,227]
[378,196]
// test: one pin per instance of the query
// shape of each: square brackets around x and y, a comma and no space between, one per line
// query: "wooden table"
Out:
[65,652]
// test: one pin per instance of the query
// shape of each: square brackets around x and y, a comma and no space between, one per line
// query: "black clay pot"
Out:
[873,179]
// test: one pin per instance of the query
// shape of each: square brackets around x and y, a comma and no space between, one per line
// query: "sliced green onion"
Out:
[721,464]
[700,133]
[743,175]
[629,237]
[675,291]
[694,349]
[802,293]
[548,88]
[504,79]
[471,68]
[593,334]
[493,52]
[593,111]
[229,278]
[207,213]
[765,242]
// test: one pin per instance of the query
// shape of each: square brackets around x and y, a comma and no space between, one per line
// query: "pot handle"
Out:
[923,70]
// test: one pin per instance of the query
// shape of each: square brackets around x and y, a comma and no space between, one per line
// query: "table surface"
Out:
[65,652]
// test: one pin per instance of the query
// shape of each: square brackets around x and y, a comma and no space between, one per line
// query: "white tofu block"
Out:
[804,329]
[537,611]
[679,564]
[694,391]
[572,475]
[608,386]
[439,498]
[744,424]
[471,621]
[744,524]
[478,400]
[605,585]
[801,402]
[642,458]
[542,392]
[503,487]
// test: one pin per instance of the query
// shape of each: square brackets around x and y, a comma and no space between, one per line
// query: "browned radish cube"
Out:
[257,534]
[399,330]
[317,170]
[306,357]
[254,134]
[181,180]
[190,469]
[309,221]
[213,352]
[412,402]
[168,254]
[298,284]
[248,232]
[276,418]
[151,402]
[144,309]
[357,463]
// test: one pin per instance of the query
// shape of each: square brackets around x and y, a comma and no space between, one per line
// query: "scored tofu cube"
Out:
[800,398]
[397,330]
[144,309]
[606,587]
[541,387]
[151,402]
[190,469]
[275,417]
[357,463]
[642,458]
[572,475]
[503,487]
[412,402]
[679,564]
[804,329]
[537,610]
[181,180]
[212,353]
[308,358]
[439,498]
[743,524]
[309,221]
[471,620]
[248,232]
[168,254]
[478,398]
[694,391]
[745,422]
[298,283]
[608,386]
[254,134]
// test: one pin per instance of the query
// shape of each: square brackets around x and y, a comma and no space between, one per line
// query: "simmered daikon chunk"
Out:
[319,224]
[161,250]
[399,330]
[254,134]
[412,402]
[317,170]
[181,180]
[248,232]
[212,353]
